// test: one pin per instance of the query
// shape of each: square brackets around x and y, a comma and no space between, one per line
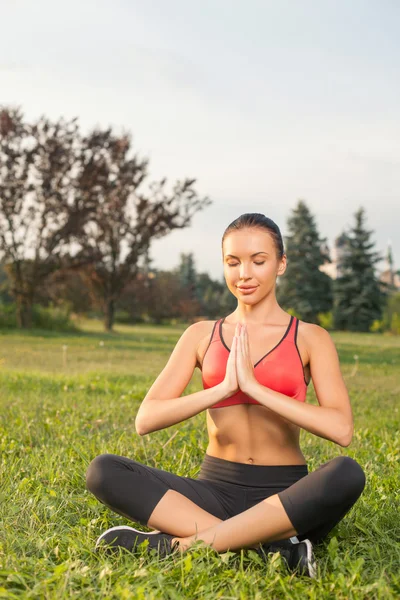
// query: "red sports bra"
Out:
[281,369]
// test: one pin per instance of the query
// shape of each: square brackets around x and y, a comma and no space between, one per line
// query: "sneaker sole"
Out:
[125,527]
[312,565]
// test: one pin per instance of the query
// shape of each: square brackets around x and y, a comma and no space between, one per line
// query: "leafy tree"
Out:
[79,203]
[358,296]
[36,222]
[156,298]
[124,217]
[304,288]
[65,287]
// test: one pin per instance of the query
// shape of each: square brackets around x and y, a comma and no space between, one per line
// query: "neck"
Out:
[266,312]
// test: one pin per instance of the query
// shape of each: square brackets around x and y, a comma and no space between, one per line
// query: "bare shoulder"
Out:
[197,331]
[314,339]
[202,332]
[201,328]
[178,371]
[313,332]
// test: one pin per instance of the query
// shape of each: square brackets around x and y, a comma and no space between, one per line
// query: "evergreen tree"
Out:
[303,287]
[358,296]
[187,274]
[209,293]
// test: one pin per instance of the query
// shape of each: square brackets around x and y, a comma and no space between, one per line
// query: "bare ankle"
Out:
[180,542]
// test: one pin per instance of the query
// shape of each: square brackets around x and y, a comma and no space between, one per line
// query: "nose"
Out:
[244,271]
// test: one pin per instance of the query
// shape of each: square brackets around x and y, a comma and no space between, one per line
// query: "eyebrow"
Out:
[255,254]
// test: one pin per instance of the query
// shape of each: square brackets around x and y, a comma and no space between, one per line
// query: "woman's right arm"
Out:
[163,404]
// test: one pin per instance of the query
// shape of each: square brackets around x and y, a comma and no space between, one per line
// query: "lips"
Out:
[247,289]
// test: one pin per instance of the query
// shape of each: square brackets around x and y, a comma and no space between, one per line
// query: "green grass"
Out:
[66,398]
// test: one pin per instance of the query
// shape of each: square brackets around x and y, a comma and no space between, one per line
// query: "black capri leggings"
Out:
[314,502]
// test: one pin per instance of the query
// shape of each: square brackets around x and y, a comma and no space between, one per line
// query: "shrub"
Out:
[395,324]
[53,318]
[326,320]
[8,318]
[377,326]
[123,316]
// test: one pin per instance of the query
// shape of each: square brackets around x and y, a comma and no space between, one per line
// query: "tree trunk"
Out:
[109,310]
[24,312]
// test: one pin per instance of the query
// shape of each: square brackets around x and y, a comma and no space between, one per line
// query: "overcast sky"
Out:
[262,101]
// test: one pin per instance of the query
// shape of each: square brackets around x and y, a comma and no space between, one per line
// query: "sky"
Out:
[262,102]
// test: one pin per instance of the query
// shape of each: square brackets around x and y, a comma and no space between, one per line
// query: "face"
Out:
[250,260]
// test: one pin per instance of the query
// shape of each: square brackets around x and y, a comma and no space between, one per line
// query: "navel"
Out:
[250,460]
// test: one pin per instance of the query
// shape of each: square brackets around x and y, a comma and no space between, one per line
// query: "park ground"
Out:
[65,398]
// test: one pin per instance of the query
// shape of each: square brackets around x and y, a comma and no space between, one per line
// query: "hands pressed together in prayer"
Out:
[239,368]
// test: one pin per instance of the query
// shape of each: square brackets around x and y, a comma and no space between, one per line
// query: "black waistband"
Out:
[219,469]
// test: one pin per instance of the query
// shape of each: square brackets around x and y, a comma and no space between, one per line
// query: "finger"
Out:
[241,349]
[243,336]
[245,346]
[247,342]
[238,346]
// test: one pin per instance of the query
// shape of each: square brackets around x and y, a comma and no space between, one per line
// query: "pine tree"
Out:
[358,297]
[304,287]
[187,273]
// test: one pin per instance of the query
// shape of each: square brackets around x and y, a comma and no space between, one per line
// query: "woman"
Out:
[253,489]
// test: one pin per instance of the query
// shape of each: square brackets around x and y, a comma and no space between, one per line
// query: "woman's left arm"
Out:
[333,418]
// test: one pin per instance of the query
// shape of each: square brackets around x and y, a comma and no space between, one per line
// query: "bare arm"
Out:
[332,419]
[163,405]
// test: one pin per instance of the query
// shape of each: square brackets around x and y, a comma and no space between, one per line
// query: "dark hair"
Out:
[261,221]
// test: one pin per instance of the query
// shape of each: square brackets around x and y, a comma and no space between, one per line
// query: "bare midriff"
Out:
[250,433]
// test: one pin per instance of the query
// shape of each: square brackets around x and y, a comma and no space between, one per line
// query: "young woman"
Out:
[253,489]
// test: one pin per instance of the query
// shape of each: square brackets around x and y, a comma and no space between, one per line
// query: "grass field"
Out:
[66,398]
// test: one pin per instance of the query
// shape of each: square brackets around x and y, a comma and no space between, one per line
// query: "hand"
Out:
[230,382]
[244,366]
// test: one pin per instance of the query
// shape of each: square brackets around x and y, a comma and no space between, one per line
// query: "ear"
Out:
[282,266]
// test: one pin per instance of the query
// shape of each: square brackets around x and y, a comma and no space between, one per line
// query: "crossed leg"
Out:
[310,507]
[266,521]
[138,493]
[315,504]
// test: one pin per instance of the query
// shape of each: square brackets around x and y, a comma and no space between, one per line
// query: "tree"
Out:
[36,168]
[5,296]
[358,297]
[304,287]
[124,218]
[188,301]
[187,274]
[74,202]
[210,294]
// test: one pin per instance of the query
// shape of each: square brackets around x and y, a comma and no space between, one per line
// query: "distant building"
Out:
[392,279]
[389,275]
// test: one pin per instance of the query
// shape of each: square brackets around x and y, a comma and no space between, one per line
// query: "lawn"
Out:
[66,398]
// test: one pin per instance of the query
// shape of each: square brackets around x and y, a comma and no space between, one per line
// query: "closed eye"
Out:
[235,264]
